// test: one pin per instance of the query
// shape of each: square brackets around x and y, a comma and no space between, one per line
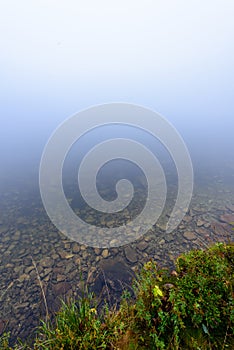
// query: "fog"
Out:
[57,58]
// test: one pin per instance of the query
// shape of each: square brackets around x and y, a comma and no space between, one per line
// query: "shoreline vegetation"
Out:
[191,307]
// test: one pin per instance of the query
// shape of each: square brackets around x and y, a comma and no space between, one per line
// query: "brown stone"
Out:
[61,278]
[65,255]
[187,218]
[220,229]
[105,253]
[189,235]
[76,249]
[142,245]
[202,231]
[23,277]
[200,222]
[47,262]
[228,218]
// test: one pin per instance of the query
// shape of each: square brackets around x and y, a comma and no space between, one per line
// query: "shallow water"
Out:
[33,251]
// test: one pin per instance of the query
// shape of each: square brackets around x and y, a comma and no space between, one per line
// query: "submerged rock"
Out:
[130,254]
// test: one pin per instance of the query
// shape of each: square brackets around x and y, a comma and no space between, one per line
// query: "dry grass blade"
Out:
[107,289]
[42,290]
[8,287]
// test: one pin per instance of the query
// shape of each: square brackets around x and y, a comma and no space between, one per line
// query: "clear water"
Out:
[33,253]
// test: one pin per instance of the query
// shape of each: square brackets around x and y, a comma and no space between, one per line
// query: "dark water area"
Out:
[33,251]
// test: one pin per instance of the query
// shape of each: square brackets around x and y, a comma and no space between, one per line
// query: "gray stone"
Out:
[61,288]
[130,254]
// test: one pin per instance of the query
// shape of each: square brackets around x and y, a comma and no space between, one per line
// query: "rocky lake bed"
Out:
[34,256]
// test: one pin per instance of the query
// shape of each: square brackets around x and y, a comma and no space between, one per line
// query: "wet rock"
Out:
[187,218]
[227,218]
[27,262]
[97,251]
[22,305]
[189,235]
[110,281]
[54,256]
[105,253]
[142,245]
[161,242]
[61,288]
[221,230]
[65,255]
[47,271]
[200,222]
[67,245]
[61,278]
[69,267]
[76,249]
[23,277]
[202,231]
[9,266]
[169,237]
[114,242]
[130,254]
[47,262]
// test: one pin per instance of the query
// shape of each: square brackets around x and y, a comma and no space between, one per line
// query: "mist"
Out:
[172,57]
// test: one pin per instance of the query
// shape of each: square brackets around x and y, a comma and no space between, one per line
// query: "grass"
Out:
[189,308]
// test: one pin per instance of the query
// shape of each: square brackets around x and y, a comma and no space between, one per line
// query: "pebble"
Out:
[189,235]
[142,245]
[130,254]
[200,222]
[23,277]
[114,242]
[46,262]
[169,237]
[161,242]
[105,253]
[65,255]
[60,278]
[76,248]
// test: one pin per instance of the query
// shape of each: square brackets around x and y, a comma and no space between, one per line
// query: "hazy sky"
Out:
[58,57]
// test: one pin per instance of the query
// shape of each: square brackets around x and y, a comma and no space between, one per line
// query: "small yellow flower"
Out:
[93,311]
[157,291]
[148,265]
